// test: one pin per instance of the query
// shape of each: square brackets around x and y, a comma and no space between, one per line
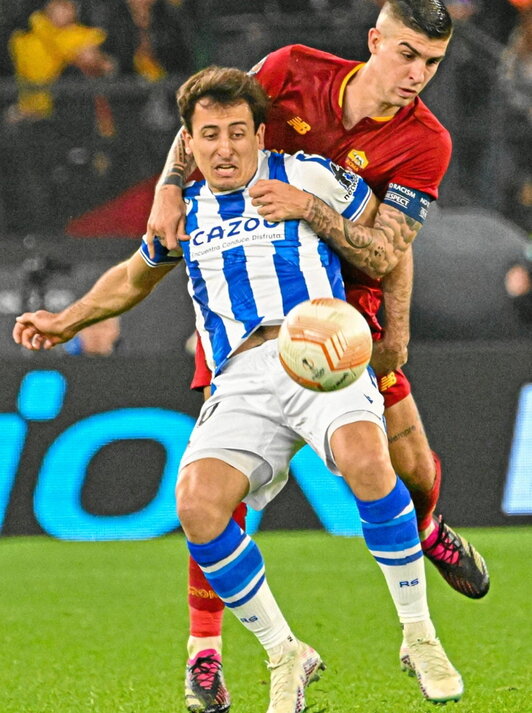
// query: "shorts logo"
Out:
[299,125]
[357,160]
[386,381]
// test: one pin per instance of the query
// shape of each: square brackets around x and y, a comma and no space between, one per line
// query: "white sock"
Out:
[408,587]
[262,616]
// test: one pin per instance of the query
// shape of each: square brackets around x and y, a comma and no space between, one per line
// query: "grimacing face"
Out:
[224,143]
[404,61]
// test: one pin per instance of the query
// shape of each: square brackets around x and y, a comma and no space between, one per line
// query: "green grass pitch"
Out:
[101,627]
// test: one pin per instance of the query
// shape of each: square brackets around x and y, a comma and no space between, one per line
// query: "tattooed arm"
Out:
[167,216]
[391,352]
[179,165]
[375,250]
[383,250]
[374,243]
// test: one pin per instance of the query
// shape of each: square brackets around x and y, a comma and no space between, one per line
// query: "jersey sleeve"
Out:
[425,169]
[162,255]
[345,192]
[414,184]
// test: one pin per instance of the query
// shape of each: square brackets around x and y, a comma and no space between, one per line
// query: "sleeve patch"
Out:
[410,201]
[349,181]
[162,255]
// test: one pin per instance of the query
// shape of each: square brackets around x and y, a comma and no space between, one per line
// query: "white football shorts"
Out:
[258,417]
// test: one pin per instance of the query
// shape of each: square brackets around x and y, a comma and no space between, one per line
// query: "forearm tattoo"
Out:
[402,434]
[181,167]
[374,250]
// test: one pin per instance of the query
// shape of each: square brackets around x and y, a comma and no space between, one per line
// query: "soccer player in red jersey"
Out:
[369,118]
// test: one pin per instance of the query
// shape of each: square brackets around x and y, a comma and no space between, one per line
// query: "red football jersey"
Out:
[411,148]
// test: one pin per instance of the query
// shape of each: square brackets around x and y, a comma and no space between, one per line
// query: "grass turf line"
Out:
[102,627]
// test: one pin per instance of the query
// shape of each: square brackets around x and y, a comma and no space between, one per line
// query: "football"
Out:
[324,344]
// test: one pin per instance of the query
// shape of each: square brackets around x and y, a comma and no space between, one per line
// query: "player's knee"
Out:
[367,470]
[191,503]
[200,515]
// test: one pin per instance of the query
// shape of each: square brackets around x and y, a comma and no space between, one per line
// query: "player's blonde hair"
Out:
[224,86]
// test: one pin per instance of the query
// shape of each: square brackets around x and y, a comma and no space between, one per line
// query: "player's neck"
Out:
[362,99]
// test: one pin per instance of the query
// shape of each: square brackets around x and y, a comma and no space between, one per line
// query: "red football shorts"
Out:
[394,387]
[202,373]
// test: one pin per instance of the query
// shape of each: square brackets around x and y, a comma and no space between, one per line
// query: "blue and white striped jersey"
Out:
[245,271]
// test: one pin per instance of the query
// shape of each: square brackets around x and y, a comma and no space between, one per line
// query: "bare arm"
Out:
[167,215]
[391,352]
[116,291]
[375,250]
[374,243]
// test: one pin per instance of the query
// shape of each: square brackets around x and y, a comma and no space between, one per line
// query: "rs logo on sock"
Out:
[411,583]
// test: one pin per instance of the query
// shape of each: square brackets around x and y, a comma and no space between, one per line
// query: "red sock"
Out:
[425,503]
[205,608]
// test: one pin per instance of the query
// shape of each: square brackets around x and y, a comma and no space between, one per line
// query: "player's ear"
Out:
[260,135]
[374,37]
[187,138]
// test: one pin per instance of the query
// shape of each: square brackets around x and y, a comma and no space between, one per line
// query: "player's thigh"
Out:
[242,424]
[360,451]
[408,444]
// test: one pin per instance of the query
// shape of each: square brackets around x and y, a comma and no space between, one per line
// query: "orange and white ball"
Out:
[324,344]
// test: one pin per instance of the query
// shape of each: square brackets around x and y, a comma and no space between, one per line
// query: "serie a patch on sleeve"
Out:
[408,200]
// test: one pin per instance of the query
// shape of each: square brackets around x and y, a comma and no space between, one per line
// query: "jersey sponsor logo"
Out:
[299,125]
[357,160]
[233,233]
[387,381]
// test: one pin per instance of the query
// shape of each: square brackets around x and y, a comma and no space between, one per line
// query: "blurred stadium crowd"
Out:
[87,108]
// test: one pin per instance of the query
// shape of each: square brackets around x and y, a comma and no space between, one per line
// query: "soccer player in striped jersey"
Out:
[245,273]
[369,118]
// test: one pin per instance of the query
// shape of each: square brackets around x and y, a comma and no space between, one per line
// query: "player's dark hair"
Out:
[224,86]
[430,17]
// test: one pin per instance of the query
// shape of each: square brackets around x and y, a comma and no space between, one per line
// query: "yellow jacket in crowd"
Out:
[42,54]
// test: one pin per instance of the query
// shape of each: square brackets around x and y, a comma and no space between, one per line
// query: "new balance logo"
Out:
[385,382]
[299,125]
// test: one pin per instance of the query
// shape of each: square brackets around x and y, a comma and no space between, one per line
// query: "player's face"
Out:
[224,143]
[404,61]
